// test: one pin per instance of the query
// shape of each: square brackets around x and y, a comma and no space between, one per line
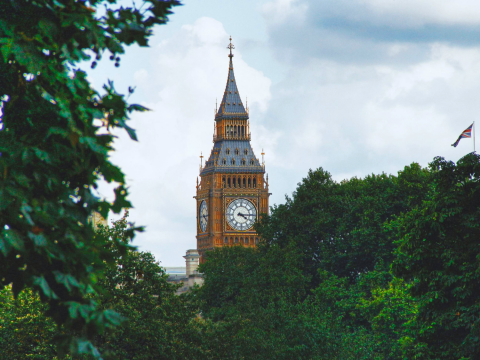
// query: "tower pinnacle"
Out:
[231,106]
[230,47]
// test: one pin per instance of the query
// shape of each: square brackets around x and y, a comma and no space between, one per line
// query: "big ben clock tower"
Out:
[232,192]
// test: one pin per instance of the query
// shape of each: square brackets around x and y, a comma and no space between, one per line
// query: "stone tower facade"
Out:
[233,191]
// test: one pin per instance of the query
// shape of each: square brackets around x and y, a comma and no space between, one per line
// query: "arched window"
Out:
[244,162]
[244,182]
[252,162]
[233,161]
[226,240]
[236,240]
[246,152]
[256,240]
[249,182]
[223,182]
[228,151]
[228,131]
[246,240]
[254,182]
[234,181]
[241,240]
[229,182]
[224,161]
[237,152]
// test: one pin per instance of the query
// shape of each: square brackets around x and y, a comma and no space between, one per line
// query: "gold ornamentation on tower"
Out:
[232,193]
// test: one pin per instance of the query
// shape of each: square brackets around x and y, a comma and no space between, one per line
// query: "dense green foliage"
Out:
[25,331]
[384,267]
[157,324]
[157,320]
[439,252]
[339,227]
[54,144]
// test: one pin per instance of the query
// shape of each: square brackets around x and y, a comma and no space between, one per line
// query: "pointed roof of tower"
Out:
[231,106]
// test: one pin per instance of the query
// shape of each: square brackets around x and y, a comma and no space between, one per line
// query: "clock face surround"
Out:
[241,214]
[203,216]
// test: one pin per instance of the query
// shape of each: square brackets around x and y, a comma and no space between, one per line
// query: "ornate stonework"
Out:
[232,190]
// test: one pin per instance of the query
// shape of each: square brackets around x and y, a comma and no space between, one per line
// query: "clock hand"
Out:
[242,215]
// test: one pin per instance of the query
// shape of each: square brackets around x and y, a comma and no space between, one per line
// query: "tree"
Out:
[319,284]
[438,251]
[53,154]
[340,227]
[25,331]
[158,323]
[252,306]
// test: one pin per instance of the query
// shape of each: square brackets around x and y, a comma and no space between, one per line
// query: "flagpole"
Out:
[474,136]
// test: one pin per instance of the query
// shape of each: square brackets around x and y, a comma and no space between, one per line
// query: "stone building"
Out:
[233,190]
[187,275]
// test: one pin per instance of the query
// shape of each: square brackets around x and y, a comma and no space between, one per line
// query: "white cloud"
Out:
[279,11]
[368,31]
[414,12]
[356,120]
[140,75]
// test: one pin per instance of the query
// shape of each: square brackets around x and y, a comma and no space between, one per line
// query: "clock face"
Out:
[203,216]
[241,214]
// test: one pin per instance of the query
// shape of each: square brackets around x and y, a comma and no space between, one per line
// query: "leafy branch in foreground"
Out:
[54,150]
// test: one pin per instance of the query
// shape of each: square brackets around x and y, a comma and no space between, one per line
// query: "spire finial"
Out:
[230,47]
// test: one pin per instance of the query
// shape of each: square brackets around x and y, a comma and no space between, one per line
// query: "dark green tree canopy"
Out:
[52,152]
[438,250]
[157,322]
[339,227]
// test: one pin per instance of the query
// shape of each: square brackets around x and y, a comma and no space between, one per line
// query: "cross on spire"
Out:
[230,47]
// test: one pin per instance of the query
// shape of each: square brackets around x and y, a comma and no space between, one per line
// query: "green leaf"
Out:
[66,279]
[43,285]
[10,239]
[38,239]
[113,317]
[94,145]
[137,107]
[131,133]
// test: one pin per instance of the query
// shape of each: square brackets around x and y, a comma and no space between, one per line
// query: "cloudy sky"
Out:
[353,86]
